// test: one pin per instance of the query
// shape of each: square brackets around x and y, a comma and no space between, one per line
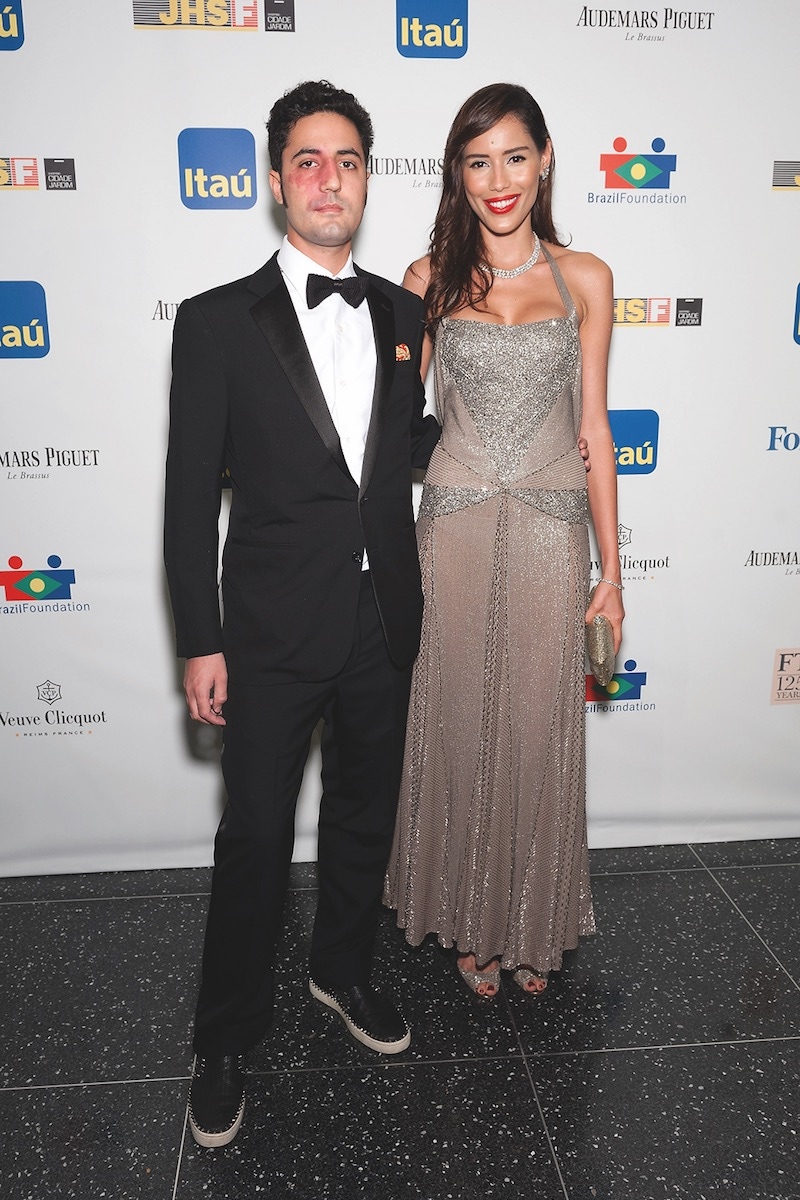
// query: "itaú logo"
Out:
[432,28]
[635,433]
[23,320]
[217,168]
[12,30]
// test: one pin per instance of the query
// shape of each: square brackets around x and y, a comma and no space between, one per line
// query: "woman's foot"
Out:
[484,981]
[529,981]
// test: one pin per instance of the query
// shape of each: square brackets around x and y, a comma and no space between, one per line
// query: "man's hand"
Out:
[583,446]
[205,684]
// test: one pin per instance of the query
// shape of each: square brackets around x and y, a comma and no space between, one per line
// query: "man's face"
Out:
[322,183]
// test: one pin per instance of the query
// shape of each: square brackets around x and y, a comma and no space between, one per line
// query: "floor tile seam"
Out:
[179,1163]
[751,926]
[648,871]
[740,866]
[134,896]
[517,1056]
[94,1083]
[106,899]
[658,1047]
[547,1134]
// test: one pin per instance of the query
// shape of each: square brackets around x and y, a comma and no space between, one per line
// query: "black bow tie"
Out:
[353,289]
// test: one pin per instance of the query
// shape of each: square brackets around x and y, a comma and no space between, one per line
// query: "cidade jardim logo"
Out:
[635,433]
[196,14]
[432,28]
[217,168]
[23,320]
[12,31]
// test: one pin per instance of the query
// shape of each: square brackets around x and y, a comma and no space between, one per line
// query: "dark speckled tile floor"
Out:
[662,1062]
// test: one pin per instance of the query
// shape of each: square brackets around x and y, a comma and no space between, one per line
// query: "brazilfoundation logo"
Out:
[432,28]
[21,174]
[635,433]
[786,677]
[24,332]
[37,590]
[196,14]
[217,168]
[785,176]
[637,177]
[279,16]
[52,722]
[12,30]
[623,692]
[644,311]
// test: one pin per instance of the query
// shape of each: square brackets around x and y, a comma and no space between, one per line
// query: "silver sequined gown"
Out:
[490,847]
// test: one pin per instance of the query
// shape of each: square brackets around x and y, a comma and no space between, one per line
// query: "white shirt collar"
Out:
[296,268]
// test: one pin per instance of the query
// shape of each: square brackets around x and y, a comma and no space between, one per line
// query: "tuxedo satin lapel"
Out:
[382,313]
[275,316]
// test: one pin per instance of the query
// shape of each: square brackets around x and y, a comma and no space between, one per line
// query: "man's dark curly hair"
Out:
[304,101]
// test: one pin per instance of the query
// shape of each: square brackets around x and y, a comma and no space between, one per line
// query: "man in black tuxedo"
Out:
[303,382]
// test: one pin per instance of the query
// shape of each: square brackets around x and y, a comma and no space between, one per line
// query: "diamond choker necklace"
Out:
[501,273]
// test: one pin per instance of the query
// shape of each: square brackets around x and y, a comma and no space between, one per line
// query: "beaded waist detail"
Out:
[565,504]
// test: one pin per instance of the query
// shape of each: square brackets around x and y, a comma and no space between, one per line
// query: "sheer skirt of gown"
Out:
[490,848]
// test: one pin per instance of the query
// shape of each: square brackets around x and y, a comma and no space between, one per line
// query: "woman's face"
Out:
[501,171]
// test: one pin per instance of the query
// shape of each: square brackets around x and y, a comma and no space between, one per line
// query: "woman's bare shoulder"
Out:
[583,270]
[418,276]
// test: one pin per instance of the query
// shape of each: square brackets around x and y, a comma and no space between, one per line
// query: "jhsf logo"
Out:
[432,28]
[23,320]
[217,168]
[12,31]
[196,14]
[635,433]
[625,170]
[19,173]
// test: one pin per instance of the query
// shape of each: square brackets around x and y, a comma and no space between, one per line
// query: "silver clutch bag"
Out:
[600,648]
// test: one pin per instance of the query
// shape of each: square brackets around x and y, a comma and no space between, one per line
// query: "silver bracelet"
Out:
[611,583]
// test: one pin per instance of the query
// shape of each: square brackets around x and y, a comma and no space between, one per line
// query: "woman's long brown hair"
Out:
[459,278]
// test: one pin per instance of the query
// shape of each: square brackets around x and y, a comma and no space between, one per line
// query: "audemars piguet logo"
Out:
[646,24]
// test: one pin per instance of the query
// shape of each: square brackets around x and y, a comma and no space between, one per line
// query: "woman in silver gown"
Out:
[490,849]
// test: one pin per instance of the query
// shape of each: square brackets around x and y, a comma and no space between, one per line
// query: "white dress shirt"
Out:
[341,342]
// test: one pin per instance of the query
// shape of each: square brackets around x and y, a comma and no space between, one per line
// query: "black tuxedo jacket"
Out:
[245,399]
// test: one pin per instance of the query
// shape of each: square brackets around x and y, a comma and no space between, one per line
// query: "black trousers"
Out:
[266,743]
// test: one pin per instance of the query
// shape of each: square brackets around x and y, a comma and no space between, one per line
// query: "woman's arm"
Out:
[595,291]
[416,280]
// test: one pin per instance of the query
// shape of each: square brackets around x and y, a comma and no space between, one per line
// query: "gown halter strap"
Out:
[569,303]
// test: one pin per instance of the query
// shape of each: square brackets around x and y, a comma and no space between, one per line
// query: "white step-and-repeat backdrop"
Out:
[133,173]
